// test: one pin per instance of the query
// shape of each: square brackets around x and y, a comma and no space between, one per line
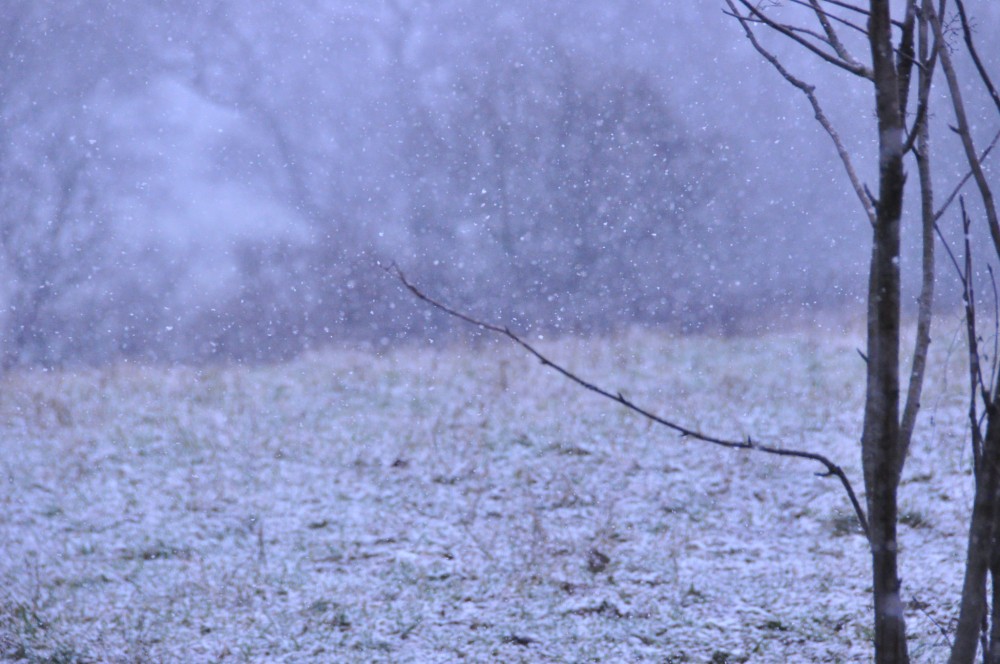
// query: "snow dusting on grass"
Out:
[465,504]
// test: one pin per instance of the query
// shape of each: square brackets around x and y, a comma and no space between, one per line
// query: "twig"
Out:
[975,364]
[927,64]
[975,371]
[925,301]
[961,183]
[971,155]
[845,5]
[859,10]
[810,92]
[971,46]
[996,330]
[923,609]
[951,254]
[813,4]
[911,139]
[833,17]
[831,34]
[855,68]
[832,469]
[787,26]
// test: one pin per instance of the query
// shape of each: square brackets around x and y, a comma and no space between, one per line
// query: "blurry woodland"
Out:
[217,179]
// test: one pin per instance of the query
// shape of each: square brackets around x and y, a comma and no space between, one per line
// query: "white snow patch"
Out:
[433,505]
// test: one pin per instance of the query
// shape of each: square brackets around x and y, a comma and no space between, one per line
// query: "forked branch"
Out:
[864,197]
[831,33]
[830,468]
[965,133]
[983,156]
[977,387]
[833,58]
[974,54]
[858,10]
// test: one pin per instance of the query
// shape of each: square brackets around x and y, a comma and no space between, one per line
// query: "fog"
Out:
[221,179]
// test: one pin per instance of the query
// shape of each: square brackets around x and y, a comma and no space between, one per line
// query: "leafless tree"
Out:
[902,53]
[902,49]
[978,623]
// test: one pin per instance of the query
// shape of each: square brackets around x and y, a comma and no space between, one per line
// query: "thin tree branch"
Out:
[849,24]
[859,10]
[925,301]
[810,92]
[787,26]
[854,68]
[951,255]
[985,392]
[917,121]
[833,38]
[846,5]
[831,469]
[922,606]
[973,620]
[971,46]
[961,183]
[927,66]
[975,370]
[972,157]
[996,331]
[831,16]
[970,305]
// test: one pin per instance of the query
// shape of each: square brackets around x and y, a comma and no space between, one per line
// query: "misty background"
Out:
[217,179]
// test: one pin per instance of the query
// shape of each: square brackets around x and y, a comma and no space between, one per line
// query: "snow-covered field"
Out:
[428,505]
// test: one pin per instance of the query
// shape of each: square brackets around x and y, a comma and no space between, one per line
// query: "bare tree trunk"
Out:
[920,136]
[880,442]
[990,499]
[886,435]
[973,606]
[993,645]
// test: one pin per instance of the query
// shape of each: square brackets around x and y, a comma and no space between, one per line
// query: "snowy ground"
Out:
[463,504]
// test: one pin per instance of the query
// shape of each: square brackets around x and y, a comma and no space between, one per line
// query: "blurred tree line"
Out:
[201,179]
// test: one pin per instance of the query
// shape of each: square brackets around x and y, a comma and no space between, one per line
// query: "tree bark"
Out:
[993,645]
[973,607]
[925,302]
[880,443]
